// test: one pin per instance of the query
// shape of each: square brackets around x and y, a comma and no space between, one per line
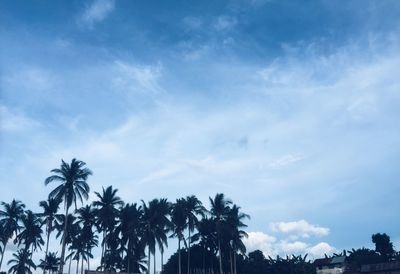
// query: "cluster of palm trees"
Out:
[124,232]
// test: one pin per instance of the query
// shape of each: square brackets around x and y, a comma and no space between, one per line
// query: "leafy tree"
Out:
[87,219]
[194,209]
[207,235]
[50,263]
[9,220]
[31,234]
[73,186]
[50,208]
[179,223]
[107,213]
[219,210]
[21,262]
[233,226]
[383,245]
[361,256]
[130,228]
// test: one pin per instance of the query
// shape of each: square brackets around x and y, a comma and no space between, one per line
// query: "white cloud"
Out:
[96,12]
[320,249]
[137,78]
[260,241]
[286,160]
[272,246]
[225,22]
[299,228]
[15,121]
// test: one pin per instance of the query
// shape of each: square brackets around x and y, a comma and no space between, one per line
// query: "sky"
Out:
[289,108]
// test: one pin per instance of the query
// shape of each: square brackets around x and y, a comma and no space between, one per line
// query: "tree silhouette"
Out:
[383,245]
[219,210]
[50,208]
[107,213]
[21,262]
[72,178]
[9,219]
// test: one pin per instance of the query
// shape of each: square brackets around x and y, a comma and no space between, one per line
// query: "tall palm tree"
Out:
[162,226]
[148,230]
[219,210]
[9,219]
[50,263]
[31,233]
[22,262]
[87,219]
[207,235]
[193,209]
[179,222]
[50,208]
[233,227]
[130,228]
[107,213]
[73,186]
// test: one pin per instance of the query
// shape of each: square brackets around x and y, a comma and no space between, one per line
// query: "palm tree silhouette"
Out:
[50,208]
[234,224]
[31,233]
[219,210]
[130,217]
[87,219]
[207,235]
[22,262]
[193,209]
[10,217]
[179,222]
[72,178]
[51,262]
[107,212]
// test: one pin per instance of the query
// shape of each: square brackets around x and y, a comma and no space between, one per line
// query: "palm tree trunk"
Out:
[148,261]
[204,259]
[179,256]
[154,261]
[103,249]
[77,266]
[220,256]
[82,266]
[47,245]
[231,261]
[70,262]
[234,260]
[64,241]
[162,261]
[2,253]
[188,267]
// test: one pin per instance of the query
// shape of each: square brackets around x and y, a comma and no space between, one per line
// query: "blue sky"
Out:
[290,108]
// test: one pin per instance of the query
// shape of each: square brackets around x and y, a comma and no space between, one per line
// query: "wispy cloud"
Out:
[299,228]
[96,12]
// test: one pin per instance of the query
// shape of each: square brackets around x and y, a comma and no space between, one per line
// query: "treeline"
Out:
[128,234]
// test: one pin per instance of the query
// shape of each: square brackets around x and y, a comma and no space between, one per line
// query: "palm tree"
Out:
[51,262]
[50,208]
[179,222]
[219,210]
[162,226]
[107,212]
[72,178]
[130,217]
[233,225]
[193,209]
[31,234]
[87,218]
[9,218]
[207,234]
[22,262]
[148,231]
